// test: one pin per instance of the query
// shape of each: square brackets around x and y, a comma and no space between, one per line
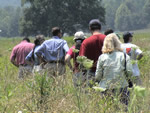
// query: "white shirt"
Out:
[133,51]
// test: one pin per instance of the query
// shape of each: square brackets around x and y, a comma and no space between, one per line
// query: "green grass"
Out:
[59,95]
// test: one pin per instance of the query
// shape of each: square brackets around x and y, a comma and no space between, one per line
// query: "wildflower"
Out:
[99,89]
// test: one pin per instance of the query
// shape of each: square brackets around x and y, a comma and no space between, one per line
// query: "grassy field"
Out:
[39,94]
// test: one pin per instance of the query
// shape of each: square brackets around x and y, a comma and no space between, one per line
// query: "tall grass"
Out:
[44,94]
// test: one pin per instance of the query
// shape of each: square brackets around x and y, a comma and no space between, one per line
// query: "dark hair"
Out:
[38,41]
[126,39]
[95,24]
[108,31]
[78,43]
[27,39]
[55,31]
[95,27]
[126,36]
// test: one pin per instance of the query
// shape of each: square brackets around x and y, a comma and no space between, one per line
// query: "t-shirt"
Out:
[133,51]
[72,54]
[91,48]
[20,51]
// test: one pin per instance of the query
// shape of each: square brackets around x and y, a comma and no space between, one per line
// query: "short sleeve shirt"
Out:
[92,48]
[133,51]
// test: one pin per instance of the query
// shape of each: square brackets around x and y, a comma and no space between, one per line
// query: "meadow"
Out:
[40,94]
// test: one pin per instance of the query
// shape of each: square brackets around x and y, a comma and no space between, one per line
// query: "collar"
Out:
[55,37]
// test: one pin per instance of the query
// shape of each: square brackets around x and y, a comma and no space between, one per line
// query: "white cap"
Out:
[79,35]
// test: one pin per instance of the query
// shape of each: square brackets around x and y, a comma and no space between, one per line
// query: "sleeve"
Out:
[65,47]
[40,50]
[138,51]
[128,65]
[70,52]
[99,69]
[29,56]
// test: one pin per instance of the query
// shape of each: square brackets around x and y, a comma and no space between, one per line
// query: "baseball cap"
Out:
[128,34]
[95,22]
[79,35]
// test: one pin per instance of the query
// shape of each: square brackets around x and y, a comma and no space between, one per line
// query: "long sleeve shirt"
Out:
[53,49]
[110,70]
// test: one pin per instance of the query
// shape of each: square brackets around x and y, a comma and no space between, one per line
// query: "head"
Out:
[27,39]
[108,31]
[94,25]
[127,37]
[79,36]
[111,43]
[56,31]
[39,39]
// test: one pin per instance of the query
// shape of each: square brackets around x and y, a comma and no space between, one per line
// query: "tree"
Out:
[146,14]
[123,20]
[41,15]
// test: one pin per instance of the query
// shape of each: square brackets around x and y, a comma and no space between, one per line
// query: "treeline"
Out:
[39,16]
[127,14]
[9,21]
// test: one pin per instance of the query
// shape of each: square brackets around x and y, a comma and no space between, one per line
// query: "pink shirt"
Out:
[20,51]
[70,52]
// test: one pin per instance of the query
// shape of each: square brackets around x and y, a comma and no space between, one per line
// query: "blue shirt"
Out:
[29,56]
[53,49]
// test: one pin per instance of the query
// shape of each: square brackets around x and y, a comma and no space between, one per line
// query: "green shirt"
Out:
[110,70]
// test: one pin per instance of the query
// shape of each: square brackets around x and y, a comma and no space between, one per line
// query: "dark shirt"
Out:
[91,48]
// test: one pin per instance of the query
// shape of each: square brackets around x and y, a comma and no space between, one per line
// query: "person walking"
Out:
[91,47]
[114,69]
[18,55]
[78,38]
[52,52]
[135,54]
[32,58]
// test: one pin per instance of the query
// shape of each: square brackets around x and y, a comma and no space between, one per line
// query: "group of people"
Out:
[112,67]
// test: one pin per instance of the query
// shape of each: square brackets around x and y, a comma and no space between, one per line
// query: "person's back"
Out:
[18,55]
[135,54]
[91,47]
[52,52]
[21,51]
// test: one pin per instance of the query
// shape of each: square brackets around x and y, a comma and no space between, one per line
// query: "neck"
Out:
[96,32]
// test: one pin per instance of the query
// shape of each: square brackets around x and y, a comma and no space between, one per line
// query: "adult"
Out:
[91,47]
[78,38]
[110,71]
[18,55]
[52,52]
[32,58]
[135,54]
[108,31]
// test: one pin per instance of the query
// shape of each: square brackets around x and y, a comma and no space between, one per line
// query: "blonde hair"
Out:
[111,43]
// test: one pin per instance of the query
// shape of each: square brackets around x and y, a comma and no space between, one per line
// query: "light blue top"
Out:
[110,70]
[29,56]
[53,49]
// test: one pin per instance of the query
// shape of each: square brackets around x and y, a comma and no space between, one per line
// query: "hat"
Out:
[128,34]
[95,22]
[79,35]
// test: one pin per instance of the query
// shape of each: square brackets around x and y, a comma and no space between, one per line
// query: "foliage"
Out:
[59,94]
[133,12]
[9,21]
[70,15]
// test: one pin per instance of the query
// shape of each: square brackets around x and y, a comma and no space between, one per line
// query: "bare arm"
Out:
[67,60]
[14,62]
[139,56]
